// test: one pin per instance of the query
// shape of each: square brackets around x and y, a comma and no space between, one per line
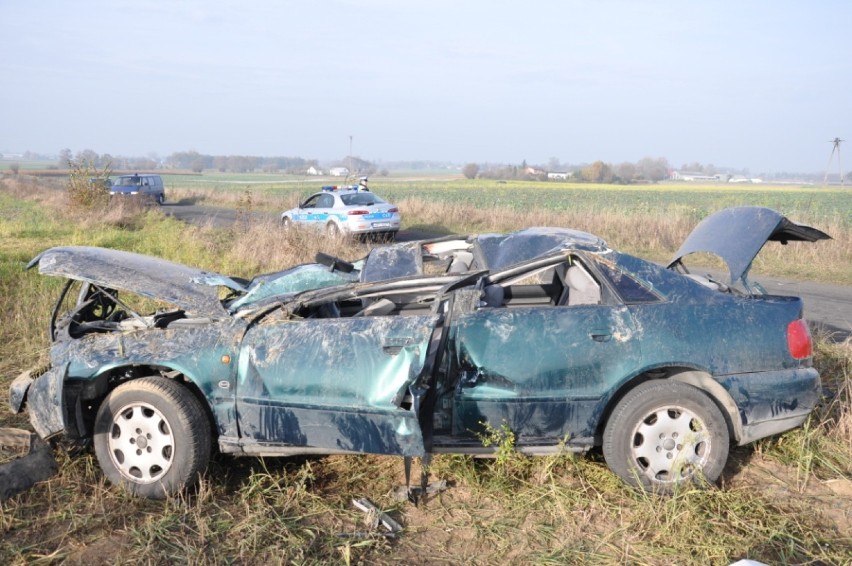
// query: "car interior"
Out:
[558,281]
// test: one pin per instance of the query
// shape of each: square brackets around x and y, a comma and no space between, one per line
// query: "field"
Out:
[785,500]
[649,221]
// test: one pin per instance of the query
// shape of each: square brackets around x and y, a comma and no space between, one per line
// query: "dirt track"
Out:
[828,307]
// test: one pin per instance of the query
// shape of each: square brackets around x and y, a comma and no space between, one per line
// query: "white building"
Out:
[693,176]
[338,172]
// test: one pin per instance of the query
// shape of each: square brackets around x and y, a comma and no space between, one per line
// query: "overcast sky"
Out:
[745,84]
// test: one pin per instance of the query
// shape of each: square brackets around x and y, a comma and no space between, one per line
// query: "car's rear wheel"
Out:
[161,199]
[332,230]
[152,437]
[664,434]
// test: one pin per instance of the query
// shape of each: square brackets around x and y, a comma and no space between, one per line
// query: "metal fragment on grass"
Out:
[377,517]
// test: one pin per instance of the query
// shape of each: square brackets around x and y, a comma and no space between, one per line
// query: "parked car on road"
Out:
[422,348]
[150,186]
[348,210]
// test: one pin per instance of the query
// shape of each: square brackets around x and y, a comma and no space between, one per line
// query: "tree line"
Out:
[647,170]
[196,162]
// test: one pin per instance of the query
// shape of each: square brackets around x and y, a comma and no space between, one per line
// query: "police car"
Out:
[345,210]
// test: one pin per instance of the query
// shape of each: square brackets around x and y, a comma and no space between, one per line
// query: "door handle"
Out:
[395,344]
[601,336]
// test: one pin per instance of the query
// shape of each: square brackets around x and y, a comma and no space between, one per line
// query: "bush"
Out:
[87,188]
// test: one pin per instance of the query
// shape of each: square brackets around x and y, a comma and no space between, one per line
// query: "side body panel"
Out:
[337,384]
[205,354]
[742,344]
[544,371]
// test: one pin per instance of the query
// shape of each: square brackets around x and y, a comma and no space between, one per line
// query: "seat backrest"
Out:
[381,307]
[461,262]
[582,288]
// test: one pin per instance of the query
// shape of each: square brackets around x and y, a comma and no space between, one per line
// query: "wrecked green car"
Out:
[422,347]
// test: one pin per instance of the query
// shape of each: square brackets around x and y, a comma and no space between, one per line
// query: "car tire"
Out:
[161,199]
[664,434]
[332,230]
[286,223]
[152,437]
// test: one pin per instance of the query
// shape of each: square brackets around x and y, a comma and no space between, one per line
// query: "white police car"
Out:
[349,209]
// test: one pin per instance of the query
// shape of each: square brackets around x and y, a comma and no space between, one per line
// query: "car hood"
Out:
[737,234]
[193,290]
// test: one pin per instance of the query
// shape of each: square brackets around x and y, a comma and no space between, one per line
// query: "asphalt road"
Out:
[828,307]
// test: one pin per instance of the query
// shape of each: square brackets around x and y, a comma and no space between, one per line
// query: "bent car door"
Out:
[541,369]
[339,384]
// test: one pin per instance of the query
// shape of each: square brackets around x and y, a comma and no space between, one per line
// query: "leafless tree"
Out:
[470,171]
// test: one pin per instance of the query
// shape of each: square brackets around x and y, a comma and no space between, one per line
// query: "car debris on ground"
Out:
[30,460]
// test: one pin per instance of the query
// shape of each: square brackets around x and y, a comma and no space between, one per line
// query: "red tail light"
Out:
[357,212]
[799,340]
[392,210]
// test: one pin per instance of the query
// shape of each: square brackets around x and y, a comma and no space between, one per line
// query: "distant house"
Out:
[533,171]
[563,175]
[338,172]
[313,171]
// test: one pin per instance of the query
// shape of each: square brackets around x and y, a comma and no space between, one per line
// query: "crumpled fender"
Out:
[18,390]
[44,399]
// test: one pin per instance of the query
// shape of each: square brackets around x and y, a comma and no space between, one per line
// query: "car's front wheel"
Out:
[152,437]
[286,223]
[161,199]
[664,434]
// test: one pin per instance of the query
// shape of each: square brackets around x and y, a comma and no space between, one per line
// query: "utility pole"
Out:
[350,155]
[834,149]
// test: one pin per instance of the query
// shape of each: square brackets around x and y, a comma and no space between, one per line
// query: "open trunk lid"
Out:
[737,234]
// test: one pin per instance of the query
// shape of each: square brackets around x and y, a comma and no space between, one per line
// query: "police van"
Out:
[144,185]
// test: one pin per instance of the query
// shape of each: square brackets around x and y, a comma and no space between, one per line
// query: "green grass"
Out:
[785,500]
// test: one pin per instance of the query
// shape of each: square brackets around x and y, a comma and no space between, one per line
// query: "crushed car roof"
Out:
[193,290]
[737,234]
[495,251]
[503,250]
